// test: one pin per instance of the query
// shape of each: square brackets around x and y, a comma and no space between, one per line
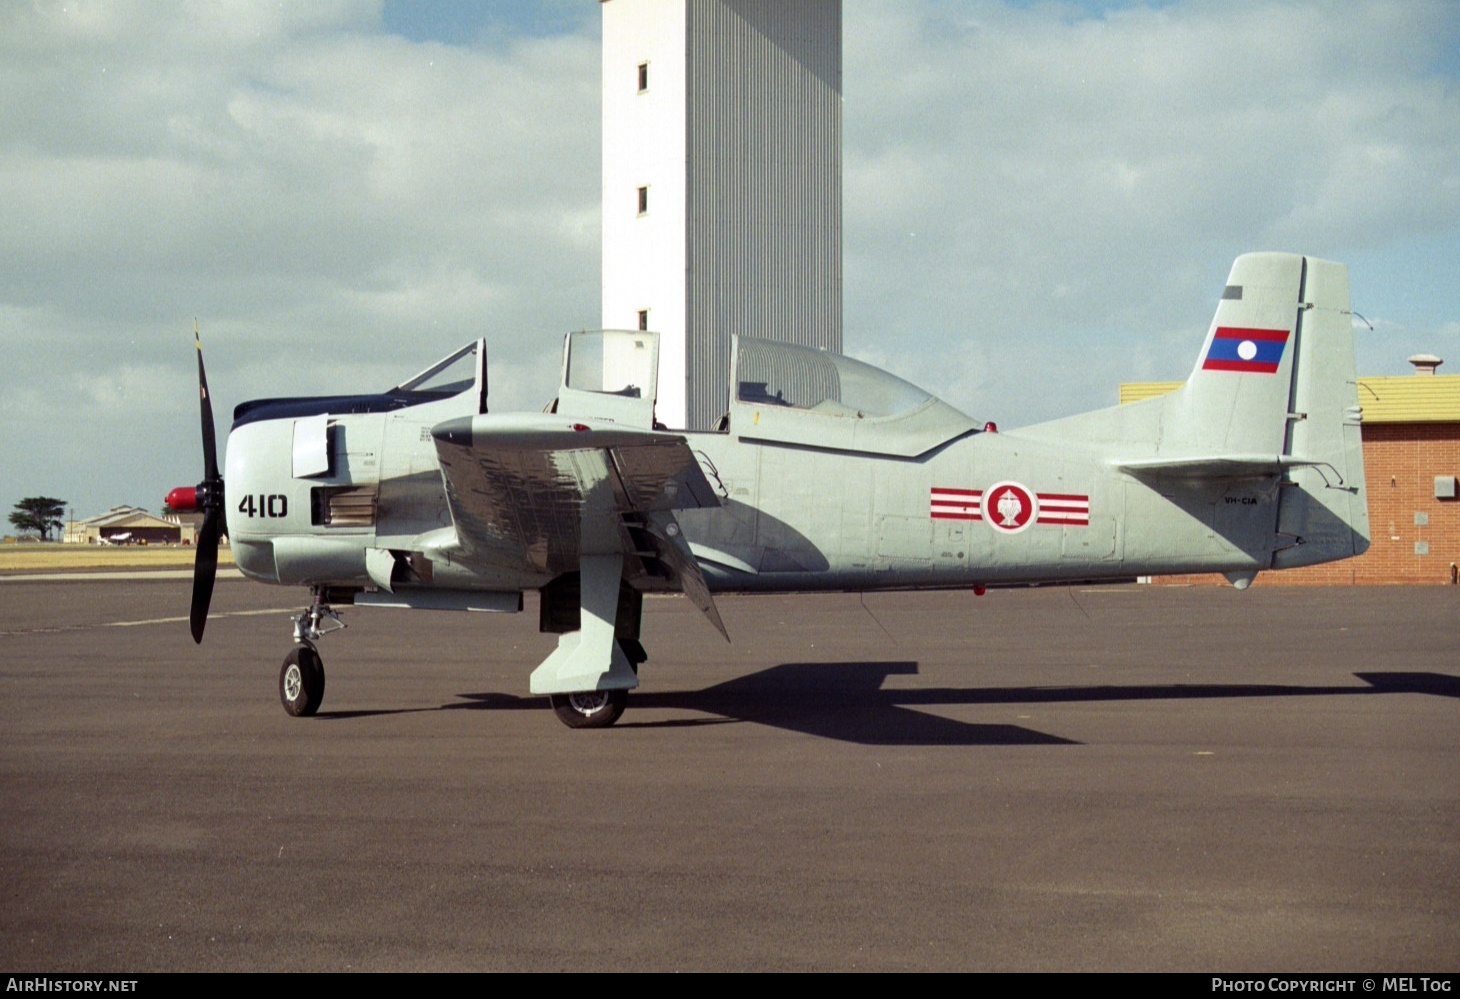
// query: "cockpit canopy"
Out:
[456,374]
[802,395]
[610,375]
[779,374]
[452,374]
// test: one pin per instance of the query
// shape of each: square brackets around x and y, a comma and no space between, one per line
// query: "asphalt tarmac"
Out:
[1116,778]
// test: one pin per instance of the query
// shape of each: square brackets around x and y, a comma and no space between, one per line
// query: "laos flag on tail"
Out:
[1235,348]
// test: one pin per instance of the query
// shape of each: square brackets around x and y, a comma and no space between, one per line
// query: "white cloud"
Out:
[333,203]
[1068,191]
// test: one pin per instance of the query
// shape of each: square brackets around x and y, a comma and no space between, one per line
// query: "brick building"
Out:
[1411,434]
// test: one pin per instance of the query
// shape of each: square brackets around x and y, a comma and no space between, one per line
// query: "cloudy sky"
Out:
[1042,199]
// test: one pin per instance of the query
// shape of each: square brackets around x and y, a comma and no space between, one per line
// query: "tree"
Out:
[41,514]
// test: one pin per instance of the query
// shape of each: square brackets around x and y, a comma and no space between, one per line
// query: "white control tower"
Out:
[722,183]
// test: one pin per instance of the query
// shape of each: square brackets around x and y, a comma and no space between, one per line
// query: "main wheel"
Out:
[301,682]
[591,708]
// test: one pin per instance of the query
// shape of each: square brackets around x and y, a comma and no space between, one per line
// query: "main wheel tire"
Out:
[590,708]
[301,682]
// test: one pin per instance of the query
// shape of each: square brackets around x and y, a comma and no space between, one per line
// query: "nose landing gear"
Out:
[301,678]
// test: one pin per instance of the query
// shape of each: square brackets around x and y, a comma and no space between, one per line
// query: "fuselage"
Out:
[981,508]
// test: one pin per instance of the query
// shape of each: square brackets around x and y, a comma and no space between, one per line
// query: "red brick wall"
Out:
[1401,461]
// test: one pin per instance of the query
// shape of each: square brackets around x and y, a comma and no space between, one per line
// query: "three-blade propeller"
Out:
[206,496]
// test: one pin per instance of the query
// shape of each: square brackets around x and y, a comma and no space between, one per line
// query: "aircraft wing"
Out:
[540,491]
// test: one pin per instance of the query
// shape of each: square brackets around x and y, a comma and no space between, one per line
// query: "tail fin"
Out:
[1236,400]
[1274,394]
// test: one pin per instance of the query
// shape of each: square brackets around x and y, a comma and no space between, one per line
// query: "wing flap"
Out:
[673,551]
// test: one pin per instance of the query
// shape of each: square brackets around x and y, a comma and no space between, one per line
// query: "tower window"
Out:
[643,200]
[643,319]
[643,77]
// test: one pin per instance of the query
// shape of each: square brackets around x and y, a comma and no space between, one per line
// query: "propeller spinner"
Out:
[206,496]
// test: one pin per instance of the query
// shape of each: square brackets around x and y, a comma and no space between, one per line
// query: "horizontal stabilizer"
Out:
[1217,466]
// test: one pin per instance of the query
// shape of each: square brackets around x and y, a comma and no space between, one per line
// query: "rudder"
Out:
[1324,505]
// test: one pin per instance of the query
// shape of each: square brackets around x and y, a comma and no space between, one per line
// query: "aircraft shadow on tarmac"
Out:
[848,701]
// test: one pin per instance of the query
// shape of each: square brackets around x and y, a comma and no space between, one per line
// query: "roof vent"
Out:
[1425,364]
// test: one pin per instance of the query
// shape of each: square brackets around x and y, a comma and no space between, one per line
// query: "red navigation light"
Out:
[979,590]
[991,427]
[581,427]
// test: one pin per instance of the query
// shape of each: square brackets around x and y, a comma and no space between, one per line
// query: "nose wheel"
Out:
[301,681]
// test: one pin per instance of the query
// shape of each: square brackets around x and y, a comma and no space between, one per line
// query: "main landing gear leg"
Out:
[301,678]
[588,676]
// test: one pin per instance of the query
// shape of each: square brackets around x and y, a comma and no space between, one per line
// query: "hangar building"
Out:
[127,525]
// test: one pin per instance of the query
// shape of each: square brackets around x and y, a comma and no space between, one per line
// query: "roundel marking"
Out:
[1009,507]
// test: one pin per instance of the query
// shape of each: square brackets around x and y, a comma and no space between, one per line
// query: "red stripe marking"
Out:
[1243,333]
[1212,364]
[947,503]
[1067,509]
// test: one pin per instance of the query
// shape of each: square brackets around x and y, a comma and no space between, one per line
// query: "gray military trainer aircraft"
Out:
[824,474]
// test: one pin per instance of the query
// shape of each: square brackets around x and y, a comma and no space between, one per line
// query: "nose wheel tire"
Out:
[301,682]
[590,708]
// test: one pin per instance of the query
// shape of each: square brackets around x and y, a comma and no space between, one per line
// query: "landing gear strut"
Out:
[318,620]
[301,678]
